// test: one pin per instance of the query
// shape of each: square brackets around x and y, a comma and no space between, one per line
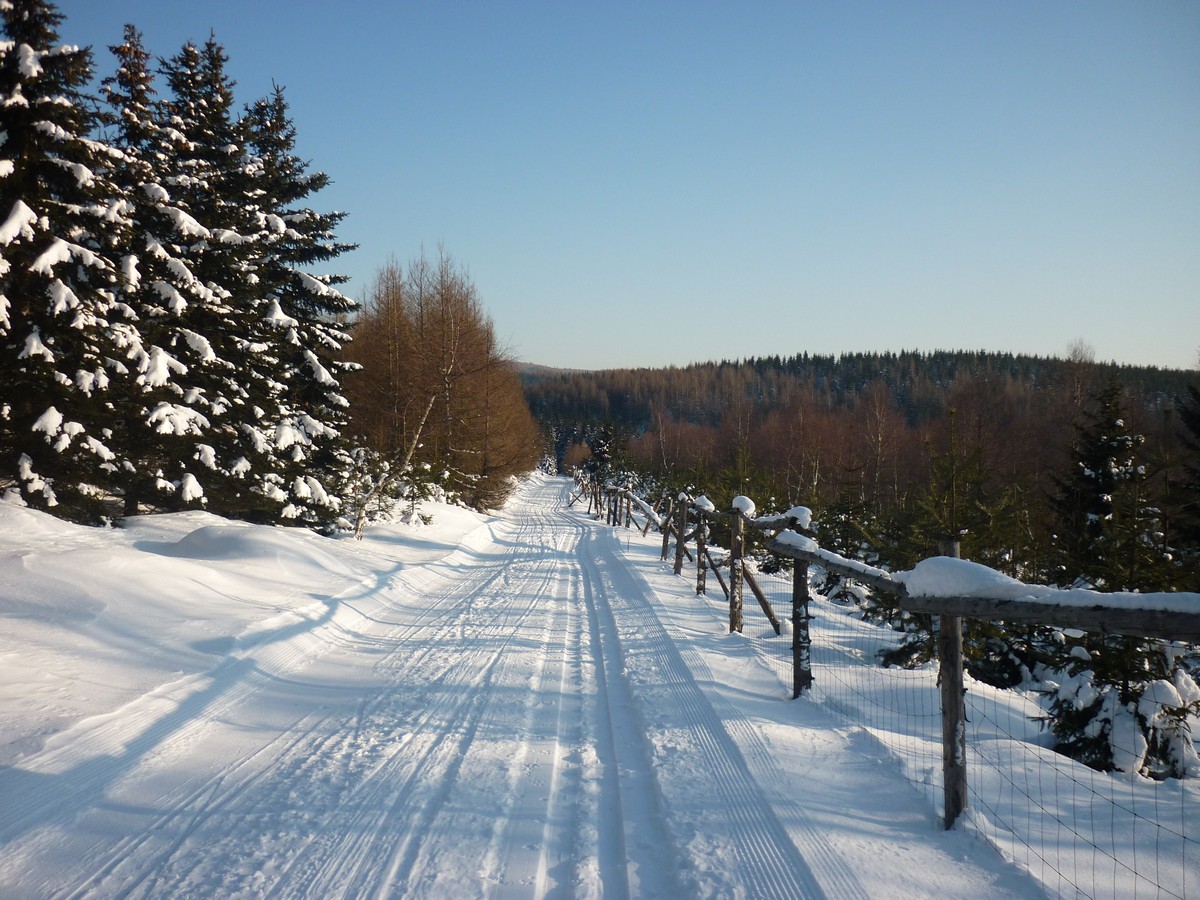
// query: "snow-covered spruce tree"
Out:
[166,413]
[1123,703]
[310,433]
[210,176]
[64,330]
[1115,701]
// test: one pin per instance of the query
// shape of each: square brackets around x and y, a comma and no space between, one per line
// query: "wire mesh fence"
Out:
[1079,831]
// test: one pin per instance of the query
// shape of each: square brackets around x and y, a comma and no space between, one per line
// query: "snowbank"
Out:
[92,619]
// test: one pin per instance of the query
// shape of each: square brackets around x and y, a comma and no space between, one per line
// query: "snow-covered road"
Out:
[531,714]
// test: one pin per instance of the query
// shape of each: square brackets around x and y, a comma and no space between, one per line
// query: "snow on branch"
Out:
[813,552]
[19,223]
[59,252]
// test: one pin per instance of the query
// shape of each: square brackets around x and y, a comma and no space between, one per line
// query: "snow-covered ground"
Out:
[525,705]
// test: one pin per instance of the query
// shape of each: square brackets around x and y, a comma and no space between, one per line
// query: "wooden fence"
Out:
[685,520]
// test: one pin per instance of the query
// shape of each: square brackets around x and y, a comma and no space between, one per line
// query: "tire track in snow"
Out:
[344,854]
[531,849]
[497,799]
[828,865]
[636,853]
[194,808]
[74,772]
[512,686]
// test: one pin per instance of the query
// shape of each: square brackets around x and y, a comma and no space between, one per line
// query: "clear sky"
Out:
[654,183]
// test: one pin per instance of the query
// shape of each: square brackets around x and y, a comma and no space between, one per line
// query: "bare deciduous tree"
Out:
[436,393]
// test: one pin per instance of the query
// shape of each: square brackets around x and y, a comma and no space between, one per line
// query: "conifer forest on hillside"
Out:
[894,450]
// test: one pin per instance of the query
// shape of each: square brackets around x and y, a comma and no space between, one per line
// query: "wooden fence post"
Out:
[737,532]
[716,570]
[681,530]
[701,563]
[954,706]
[802,679]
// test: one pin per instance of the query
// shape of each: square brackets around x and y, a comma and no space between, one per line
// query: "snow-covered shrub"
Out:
[1123,704]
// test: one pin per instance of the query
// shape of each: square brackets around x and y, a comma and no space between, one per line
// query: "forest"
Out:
[1012,454]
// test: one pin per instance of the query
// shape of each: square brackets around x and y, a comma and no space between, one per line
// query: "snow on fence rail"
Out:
[1143,836]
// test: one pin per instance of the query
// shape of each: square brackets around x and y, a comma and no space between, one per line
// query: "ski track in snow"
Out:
[763,856]
[513,720]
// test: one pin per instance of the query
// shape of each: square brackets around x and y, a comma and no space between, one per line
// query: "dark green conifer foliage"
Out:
[1186,534]
[166,418]
[1106,540]
[307,309]
[962,504]
[64,330]
[209,175]
[1104,462]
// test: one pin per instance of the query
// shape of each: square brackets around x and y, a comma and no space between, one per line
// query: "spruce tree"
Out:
[1187,532]
[1104,461]
[167,411]
[963,503]
[64,328]
[307,309]
[209,176]
[1116,701]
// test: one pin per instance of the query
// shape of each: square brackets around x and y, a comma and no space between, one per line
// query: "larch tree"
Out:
[390,405]
[463,369]
[508,439]
[382,395]
[65,329]
[436,398]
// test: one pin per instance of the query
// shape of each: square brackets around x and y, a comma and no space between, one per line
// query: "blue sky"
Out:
[642,184]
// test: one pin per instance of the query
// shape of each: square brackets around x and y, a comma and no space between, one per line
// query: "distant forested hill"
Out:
[920,385]
[896,446]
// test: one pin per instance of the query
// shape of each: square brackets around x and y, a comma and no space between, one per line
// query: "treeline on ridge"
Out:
[701,393]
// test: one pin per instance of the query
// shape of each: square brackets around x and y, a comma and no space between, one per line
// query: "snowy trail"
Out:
[520,718]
